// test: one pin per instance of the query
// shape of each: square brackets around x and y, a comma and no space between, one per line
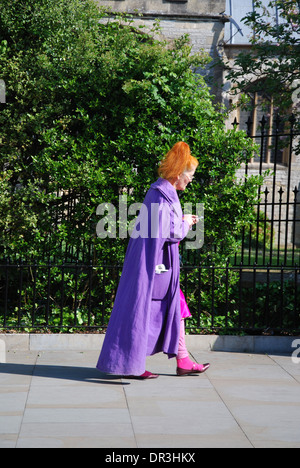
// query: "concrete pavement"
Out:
[58,399]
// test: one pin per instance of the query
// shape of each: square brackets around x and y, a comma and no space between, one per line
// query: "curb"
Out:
[242,344]
[54,342]
[93,342]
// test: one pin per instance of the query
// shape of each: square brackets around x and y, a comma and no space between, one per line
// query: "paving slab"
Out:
[58,399]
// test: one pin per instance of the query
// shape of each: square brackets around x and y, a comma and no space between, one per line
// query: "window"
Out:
[261,121]
[236,32]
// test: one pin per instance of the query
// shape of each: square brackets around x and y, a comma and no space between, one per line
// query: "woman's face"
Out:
[185,178]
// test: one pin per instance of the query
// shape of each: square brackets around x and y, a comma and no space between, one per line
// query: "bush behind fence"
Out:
[77,296]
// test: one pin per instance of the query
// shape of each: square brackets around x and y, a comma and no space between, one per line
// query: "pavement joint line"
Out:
[286,371]
[228,409]
[128,409]
[27,397]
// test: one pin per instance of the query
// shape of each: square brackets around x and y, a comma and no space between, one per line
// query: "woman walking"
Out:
[147,315]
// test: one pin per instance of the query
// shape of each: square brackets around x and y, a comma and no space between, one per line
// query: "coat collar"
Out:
[167,190]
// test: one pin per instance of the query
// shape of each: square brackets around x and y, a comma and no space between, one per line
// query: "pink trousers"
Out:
[182,350]
[185,312]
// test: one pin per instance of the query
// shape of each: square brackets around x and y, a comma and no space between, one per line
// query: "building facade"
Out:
[277,148]
[202,20]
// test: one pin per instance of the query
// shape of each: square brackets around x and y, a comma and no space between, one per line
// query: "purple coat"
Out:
[146,315]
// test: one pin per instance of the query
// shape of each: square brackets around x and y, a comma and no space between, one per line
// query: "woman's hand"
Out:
[191,219]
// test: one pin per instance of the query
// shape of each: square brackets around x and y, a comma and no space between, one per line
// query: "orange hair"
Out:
[176,161]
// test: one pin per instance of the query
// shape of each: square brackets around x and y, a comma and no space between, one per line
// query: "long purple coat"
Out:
[146,315]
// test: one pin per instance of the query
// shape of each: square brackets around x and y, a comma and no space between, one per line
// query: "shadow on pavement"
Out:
[78,374]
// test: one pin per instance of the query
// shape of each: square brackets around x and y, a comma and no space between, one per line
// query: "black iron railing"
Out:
[79,296]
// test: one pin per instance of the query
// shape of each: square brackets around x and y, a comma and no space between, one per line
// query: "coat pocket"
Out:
[161,285]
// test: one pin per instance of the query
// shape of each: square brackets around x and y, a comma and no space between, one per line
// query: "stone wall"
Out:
[167,7]
[202,20]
